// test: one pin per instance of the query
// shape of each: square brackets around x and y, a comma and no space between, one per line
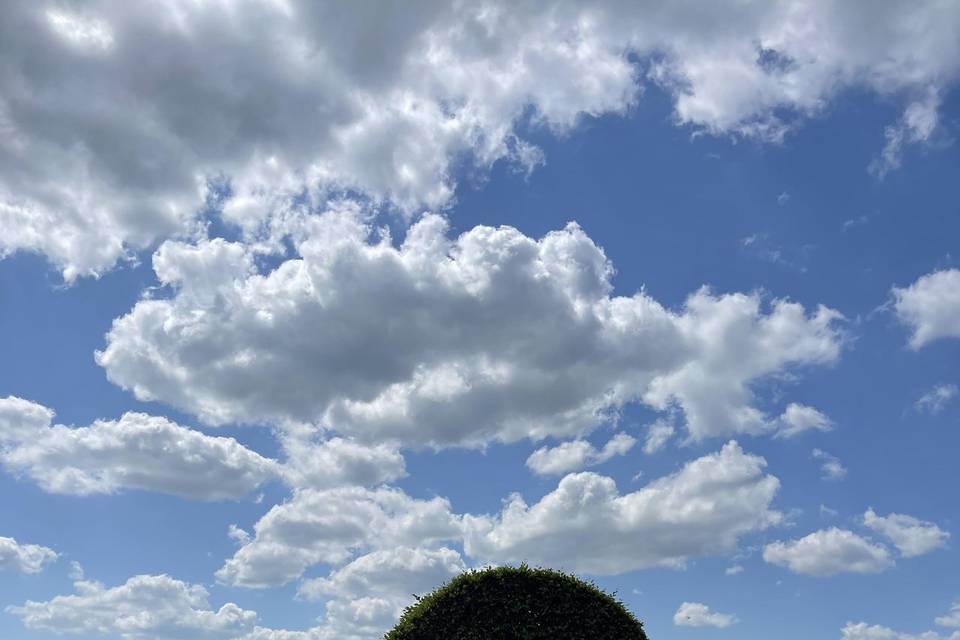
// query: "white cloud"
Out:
[367,596]
[586,525]
[137,451]
[336,461]
[951,619]
[658,434]
[917,125]
[798,418]
[76,571]
[696,614]
[936,399]
[331,526]
[930,307]
[733,570]
[21,419]
[911,536]
[577,454]
[830,465]
[864,631]
[295,100]
[828,552]
[143,608]
[26,558]
[477,346]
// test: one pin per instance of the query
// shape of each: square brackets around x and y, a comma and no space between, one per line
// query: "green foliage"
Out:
[517,603]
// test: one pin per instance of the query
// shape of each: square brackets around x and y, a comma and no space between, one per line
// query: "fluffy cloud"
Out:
[330,526]
[936,399]
[368,595]
[828,552]
[143,608]
[336,461]
[696,614]
[930,307]
[951,619]
[293,99]
[137,451]
[26,558]
[830,465]
[586,525]
[577,454]
[911,536]
[864,631]
[448,341]
[798,418]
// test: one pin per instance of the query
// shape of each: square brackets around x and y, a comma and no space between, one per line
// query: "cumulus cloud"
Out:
[294,100]
[152,607]
[864,631]
[137,451]
[951,619]
[143,608]
[25,558]
[331,526]
[321,464]
[586,525]
[828,552]
[830,465]
[798,418]
[368,595]
[930,307]
[577,454]
[448,341]
[936,399]
[696,614]
[911,536]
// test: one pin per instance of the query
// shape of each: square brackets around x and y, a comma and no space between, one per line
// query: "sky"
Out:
[308,307]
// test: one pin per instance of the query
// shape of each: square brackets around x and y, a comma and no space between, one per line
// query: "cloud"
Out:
[863,631]
[951,619]
[658,434]
[368,595]
[143,608]
[828,552]
[830,465]
[153,607]
[25,558]
[936,399]
[336,461]
[798,418]
[733,570]
[137,451]
[332,525]
[577,454]
[476,345]
[21,419]
[293,103]
[586,525]
[911,536]
[917,125]
[696,614]
[930,307]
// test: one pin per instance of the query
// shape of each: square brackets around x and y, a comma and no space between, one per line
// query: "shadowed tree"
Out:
[514,603]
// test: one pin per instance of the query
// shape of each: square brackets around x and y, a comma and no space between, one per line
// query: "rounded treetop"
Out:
[508,603]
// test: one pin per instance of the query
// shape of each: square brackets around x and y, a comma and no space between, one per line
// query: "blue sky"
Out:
[291,335]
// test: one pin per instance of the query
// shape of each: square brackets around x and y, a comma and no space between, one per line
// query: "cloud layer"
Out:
[492,335]
[294,102]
